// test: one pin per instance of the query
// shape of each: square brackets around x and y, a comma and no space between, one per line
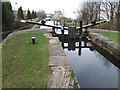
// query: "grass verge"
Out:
[111,25]
[73,78]
[112,35]
[25,65]
[37,26]
[31,26]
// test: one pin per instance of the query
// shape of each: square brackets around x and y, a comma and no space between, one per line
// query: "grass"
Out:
[73,24]
[31,26]
[73,77]
[77,23]
[101,25]
[25,65]
[112,35]
[111,25]
[37,26]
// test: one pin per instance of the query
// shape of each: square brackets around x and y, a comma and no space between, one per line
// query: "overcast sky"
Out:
[66,6]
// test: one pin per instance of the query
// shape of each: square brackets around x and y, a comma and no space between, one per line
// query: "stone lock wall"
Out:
[107,44]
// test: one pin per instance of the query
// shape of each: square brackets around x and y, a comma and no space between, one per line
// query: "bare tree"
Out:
[95,9]
[83,12]
[41,14]
[89,11]
[118,17]
[109,8]
[103,9]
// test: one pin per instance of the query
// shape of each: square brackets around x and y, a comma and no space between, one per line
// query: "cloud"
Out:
[68,6]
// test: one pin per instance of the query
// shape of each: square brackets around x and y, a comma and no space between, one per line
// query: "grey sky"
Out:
[66,6]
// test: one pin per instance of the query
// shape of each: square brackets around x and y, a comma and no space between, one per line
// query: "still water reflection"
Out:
[92,69]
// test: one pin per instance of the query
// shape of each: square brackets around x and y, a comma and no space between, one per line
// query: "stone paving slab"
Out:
[55,49]
[48,35]
[60,78]
[58,61]
[61,70]
[54,41]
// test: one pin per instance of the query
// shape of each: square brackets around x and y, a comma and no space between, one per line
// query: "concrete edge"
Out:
[61,69]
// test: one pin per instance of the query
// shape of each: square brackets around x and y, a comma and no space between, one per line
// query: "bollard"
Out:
[33,40]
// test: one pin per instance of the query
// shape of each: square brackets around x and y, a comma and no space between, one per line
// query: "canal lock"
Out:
[93,67]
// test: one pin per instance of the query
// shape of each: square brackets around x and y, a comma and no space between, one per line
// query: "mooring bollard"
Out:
[33,40]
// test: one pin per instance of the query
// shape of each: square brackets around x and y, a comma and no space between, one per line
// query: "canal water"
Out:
[92,66]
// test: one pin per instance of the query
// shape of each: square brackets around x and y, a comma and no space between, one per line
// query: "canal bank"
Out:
[86,68]
[93,66]
[62,76]
[107,44]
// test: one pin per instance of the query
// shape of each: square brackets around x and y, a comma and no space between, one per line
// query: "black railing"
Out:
[74,32]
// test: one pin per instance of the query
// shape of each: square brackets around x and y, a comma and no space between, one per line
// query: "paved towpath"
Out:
[61,70]
[97,30]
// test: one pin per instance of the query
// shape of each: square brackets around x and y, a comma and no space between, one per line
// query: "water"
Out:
[48,23]
[92,66]
[92,69]
[58,31]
